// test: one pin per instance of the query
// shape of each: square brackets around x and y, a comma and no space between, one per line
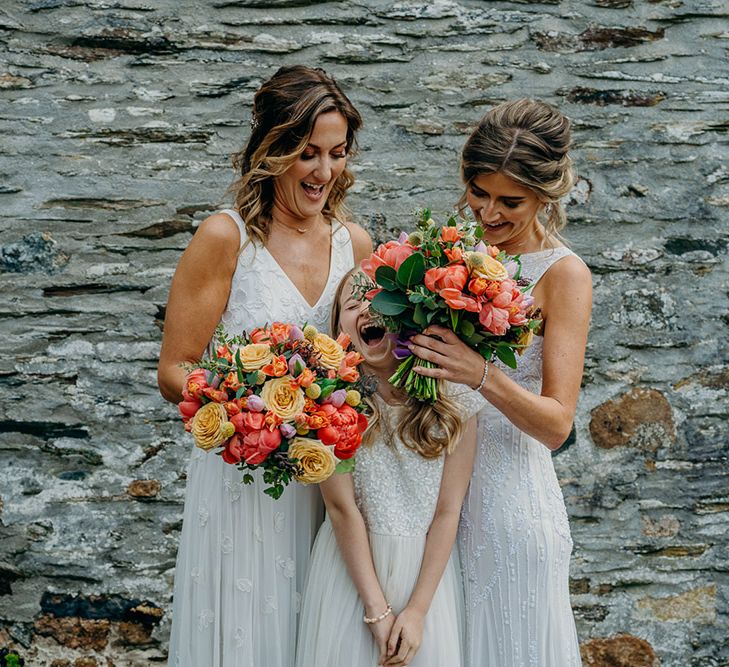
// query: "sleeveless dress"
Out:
[243,556]
[514,537]
[396,491]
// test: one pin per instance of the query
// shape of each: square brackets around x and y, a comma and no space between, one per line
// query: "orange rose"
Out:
[454,254]
[450,234]
[277,368]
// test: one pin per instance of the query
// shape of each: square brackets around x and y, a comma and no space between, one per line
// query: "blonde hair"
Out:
[528,141]
[285,109]
[427,428]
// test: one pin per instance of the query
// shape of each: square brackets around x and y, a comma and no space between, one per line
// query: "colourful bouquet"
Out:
[284,399]
[447,275]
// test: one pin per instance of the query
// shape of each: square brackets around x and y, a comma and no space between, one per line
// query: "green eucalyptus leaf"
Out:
[386,277]
[412,270]
[345,466]
[390,303]
[506,355]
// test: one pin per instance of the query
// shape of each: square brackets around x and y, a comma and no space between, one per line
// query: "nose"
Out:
[323,171]
[488,212]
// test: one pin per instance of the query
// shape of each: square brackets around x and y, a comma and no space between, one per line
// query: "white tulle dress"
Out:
[243,557]
[396,491]
[514,536]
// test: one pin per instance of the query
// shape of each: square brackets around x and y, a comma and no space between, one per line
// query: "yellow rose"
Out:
[485,266]
[524,340]
[331,352]
[255,356]
[282,399]
[316,461]
[210,426]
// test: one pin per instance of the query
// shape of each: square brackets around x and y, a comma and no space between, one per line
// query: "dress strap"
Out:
[536,264]
[244,240]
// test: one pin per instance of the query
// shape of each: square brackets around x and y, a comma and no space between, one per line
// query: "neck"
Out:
[528,240]
[295,223]
[386,391]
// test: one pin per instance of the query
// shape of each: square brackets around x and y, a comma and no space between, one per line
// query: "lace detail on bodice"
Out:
[260,291]
[395,488]
[528,372]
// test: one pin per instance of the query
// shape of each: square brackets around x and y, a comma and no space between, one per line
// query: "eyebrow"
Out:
[515,198]
[310,145]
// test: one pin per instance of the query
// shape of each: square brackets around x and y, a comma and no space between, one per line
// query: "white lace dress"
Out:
[396,491]
[514,538]
[243,557]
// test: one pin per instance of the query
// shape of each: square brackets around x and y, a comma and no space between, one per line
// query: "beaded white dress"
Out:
[243,556]
[396,491]
[514,537]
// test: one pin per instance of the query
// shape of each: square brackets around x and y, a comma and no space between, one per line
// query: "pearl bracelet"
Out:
[381,617]
[484,376]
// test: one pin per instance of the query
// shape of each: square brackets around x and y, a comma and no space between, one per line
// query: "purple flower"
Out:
[337,398]
[402,238]
[480,247]
[401,349]
[255,403]
[296,333]
[296,365]
[511,268]
[528,301]
[287,431]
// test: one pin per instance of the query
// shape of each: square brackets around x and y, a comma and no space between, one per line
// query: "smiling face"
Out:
[369,338]
[301,192]
[507,212]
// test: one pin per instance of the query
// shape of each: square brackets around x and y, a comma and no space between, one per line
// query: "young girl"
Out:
[384,585]
[514,537]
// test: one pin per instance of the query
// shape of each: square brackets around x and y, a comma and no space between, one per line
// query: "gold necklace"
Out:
[301,230]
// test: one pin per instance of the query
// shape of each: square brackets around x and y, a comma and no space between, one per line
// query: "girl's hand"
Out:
[381,632]
[455,360]
[405,638]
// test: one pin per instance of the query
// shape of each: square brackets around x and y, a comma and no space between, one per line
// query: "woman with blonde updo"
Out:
[277,255]
[514,536]
[384,586]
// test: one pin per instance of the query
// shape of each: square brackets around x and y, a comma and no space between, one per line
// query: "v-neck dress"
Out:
[243,556]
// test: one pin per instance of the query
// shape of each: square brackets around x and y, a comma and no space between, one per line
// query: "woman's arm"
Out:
[408,628]
[198,296]
[566,303]
[354,545]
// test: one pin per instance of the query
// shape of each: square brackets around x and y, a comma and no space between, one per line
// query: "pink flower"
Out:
[188,408]
[259,444]
[454,276]
[495,320]
[255,403]
[390,254]
[287,431]
[233,451]
[459,301]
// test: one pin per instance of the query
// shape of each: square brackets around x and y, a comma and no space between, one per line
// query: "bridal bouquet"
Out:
[446,275]
[283,399]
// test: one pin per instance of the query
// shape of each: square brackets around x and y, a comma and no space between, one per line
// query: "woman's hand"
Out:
[381,632]
[455,360]
[405,637]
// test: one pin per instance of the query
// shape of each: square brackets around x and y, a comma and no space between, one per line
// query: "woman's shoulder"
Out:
[220,228]
[361,241]
[570,267]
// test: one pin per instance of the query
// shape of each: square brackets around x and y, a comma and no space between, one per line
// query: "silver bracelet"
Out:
[484,376]
[381,617]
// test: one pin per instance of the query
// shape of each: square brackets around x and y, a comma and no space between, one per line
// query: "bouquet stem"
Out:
[418,386]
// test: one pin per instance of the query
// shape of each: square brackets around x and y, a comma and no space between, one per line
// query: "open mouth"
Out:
[499,225]
[312,190]
[371,334]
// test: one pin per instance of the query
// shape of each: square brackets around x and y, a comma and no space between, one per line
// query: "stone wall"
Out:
[118,118]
